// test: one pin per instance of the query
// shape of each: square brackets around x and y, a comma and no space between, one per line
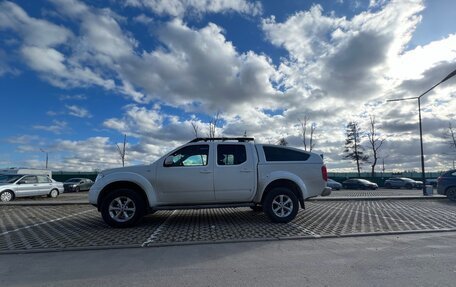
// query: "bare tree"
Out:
[215,121]
[353,148]
[196,128]
[375,143]
[313,126]
[451,134]
[282,141]
[122,150]
[303,124]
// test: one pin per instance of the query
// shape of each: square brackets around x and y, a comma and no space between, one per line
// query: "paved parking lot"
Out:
[55,227]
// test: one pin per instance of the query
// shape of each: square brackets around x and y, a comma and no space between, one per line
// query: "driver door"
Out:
[188,178]
[27,186]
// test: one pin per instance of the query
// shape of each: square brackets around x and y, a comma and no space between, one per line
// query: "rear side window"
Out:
[43,179]
[230,154]
[284,154]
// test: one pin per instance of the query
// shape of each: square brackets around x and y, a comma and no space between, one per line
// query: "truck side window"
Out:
[194,155]
[284,154]
[230,154]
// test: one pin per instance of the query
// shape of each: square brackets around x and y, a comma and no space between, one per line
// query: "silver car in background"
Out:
[17,185]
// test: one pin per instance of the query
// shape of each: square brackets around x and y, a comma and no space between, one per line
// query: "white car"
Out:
[209,173]
[17,185]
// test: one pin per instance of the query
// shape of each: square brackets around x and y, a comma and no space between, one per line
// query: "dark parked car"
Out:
[77,184]
[333,184]
[403,182]
[446,184]
[358,183]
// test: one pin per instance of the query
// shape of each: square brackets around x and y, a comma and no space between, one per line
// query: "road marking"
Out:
[45,222]
[154,235]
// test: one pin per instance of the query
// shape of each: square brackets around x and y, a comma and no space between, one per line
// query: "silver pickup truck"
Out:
[211,173]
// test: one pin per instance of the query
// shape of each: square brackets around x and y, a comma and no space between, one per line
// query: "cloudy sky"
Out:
[75,76]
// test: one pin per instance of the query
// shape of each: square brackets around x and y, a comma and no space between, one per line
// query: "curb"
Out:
[397,197]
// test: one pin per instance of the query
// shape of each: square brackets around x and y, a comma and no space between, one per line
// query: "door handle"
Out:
[205,171]
[246,170]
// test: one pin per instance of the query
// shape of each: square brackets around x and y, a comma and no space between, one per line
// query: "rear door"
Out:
[44,184]
[234,173]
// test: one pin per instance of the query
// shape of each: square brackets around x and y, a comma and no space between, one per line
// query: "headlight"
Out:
[74,185]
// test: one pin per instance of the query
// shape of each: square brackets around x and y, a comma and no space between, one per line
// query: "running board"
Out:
[202,206]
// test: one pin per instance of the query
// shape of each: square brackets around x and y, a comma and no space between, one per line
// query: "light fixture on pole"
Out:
[423,177]
[42,150]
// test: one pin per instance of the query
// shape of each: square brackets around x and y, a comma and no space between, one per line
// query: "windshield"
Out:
[4,178]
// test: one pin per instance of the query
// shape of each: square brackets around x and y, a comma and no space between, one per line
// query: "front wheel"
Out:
[6,196]
[54,193]
[451,194]
[281,205]
[122,208]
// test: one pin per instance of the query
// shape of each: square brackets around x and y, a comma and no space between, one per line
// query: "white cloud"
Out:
[35,32]
[201,67]
[183,7]
[77,111]
[57,127]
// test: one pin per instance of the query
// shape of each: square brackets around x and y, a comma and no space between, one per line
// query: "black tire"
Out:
[451,193]
[281,205]
[53,193]
[77,189]
[256,208]
[129,214]
[6,196]
[388,185]
[408,186]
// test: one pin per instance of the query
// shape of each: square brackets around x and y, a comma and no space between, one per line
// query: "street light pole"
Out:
[42,150]
[423,176]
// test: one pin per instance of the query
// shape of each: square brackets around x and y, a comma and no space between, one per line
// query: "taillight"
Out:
[324,173]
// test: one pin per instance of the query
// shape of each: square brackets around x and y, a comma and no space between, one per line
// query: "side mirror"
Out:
[169,161]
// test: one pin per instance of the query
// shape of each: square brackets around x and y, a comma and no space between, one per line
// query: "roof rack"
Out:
[239,139]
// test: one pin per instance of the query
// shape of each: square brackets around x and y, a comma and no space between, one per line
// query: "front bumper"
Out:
[69,188]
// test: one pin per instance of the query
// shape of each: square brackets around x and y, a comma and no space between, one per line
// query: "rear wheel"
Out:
[6,196]
[451,193]
[122,208]
[388,185]
[54,193]
[408,186]
[281,205]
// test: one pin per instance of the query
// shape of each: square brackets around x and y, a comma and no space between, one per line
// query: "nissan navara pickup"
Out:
[213,173]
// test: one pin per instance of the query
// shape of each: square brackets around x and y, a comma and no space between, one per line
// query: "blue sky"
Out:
[77,75]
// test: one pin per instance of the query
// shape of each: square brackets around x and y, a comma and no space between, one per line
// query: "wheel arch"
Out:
[119,185]
[287,183]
